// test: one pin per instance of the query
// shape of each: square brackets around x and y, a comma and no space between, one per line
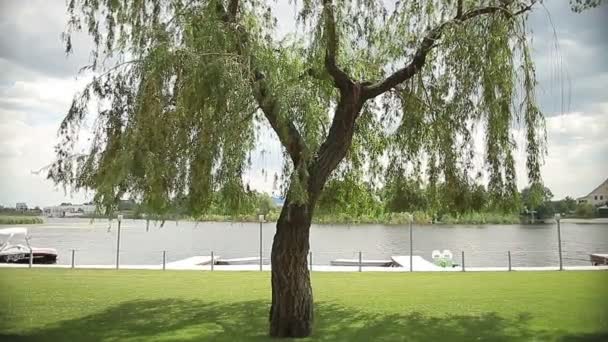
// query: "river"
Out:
[485,245]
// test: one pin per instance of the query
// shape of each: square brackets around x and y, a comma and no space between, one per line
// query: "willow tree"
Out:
[183,89]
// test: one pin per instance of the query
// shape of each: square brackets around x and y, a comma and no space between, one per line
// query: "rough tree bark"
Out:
[291,313]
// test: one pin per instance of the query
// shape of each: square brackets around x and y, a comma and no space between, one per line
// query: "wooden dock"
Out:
[355,262]
[242,261]
[199,260]
[418,263]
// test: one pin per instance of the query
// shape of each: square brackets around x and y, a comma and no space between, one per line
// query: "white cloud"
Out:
[577,144]
[37,84]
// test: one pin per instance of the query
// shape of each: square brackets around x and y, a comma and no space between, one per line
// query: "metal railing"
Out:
[471,260]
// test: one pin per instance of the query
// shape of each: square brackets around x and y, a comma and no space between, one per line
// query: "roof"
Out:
[596,188]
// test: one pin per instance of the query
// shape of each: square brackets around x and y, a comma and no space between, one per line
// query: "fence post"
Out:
[31,257]
[261,219]
[411,244]
[463,269]
[559,242]
[509,253]
[164,260]
[73,253]
[360,261]
[310,260]
[212,261]
[118,242]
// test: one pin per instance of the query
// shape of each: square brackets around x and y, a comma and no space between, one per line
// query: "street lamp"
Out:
[118,242]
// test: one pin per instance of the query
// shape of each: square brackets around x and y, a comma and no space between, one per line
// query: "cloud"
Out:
[31,38]
[569,51]
[577,159]
[37,82]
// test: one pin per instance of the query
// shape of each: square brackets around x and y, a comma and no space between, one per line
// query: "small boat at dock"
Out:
[21,254]
[598,259]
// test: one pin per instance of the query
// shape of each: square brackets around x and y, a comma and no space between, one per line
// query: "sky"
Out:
[38,81]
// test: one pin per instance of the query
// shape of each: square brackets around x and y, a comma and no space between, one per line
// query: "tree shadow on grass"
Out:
[179,320]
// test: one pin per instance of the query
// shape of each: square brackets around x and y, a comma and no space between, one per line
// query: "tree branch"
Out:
[288,134]
[428,43]
[341,79]
[233,8]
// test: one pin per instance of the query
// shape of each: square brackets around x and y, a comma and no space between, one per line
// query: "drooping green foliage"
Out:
[581,5]
[181,103]
[349,197]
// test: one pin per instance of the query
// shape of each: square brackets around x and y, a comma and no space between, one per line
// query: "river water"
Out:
[487,245]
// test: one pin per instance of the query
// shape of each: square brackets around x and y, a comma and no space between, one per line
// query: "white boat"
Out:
[355,262]
[19,253]
[242,261]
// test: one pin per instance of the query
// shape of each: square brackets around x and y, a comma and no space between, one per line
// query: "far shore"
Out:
[44,221]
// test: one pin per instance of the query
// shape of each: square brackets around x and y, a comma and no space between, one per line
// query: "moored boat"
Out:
[19,253]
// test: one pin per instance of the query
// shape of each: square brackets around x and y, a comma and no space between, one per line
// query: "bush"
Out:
[585,210]
[20,220]
[480,218]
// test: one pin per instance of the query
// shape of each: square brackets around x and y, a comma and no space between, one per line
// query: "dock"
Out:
[599,259]
[418,263]
[199,260]
[242,261]
[355,262]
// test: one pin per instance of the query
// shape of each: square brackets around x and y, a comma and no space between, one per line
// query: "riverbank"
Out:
[419,218]
[163,306]
[394,220]
[7,220]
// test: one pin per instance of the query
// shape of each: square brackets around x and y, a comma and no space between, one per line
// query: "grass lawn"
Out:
[107,305]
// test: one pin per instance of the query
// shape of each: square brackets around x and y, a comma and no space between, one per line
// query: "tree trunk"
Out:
[291,313]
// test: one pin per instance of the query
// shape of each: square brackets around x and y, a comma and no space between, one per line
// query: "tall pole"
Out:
[462,261]
[261,217]
[118,242]
[559,241]
[411,244]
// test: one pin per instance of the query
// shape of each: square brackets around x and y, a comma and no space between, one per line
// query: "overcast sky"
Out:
[37,83]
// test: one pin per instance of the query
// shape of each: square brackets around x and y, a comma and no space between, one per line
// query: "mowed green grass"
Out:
[108,305]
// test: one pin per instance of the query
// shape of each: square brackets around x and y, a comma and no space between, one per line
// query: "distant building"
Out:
[69,210]
[21,206]
[598,196]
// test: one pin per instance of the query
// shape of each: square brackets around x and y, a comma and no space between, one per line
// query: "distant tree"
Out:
[585,210]
[479,198]
[185,87]
[265,203]
[534,195]
[565,206]
[349,196]
[537,198]
[404,194]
